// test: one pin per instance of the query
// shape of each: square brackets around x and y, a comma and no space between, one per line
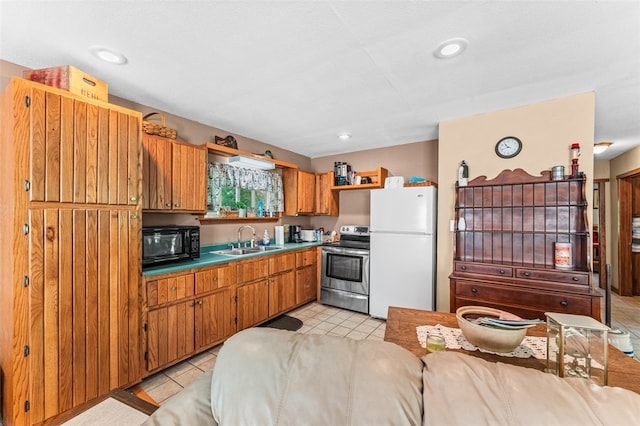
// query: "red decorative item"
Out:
[575,153]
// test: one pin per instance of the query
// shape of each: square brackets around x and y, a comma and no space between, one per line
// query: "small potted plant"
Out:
[242,209]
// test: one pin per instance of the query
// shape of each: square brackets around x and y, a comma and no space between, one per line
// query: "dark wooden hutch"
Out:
[504,247]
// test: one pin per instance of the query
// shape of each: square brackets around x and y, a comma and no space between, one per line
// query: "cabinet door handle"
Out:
[575,278]
[474,290]
[134,198]
[174,288]
[564,303]
[192,304]
[502,271]
[167,205]
[463,267]
[200,302]
[526,274]
[176,205]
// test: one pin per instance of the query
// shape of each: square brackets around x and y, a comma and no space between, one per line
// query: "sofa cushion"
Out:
[462,390]
[269,377]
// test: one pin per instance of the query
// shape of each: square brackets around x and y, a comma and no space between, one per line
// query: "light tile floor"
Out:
[320,319]
[625,314]
[316,318]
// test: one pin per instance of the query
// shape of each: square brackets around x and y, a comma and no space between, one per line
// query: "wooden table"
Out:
[401,330]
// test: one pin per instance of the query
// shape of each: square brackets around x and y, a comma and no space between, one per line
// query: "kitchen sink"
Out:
[245,251]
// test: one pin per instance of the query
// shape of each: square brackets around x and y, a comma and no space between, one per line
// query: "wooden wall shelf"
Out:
[221,220]
[377,177]
[230,152]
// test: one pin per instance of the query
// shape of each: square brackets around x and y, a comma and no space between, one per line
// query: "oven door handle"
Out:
[345,250]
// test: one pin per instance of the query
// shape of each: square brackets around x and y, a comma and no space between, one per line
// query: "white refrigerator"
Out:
[403,249]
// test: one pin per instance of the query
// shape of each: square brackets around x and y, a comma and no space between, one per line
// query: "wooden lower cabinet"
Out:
[282,293]
[306,276]
[253,304]
[170,335]
[306,285]
[187,313]
[215,318]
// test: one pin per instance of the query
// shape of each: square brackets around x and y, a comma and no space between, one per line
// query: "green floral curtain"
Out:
[222,175]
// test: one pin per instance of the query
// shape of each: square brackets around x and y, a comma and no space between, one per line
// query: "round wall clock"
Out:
[508,147]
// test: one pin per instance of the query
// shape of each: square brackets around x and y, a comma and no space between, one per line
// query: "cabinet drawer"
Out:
[282,262]
[212,279]
[251,270]
[305,258]
[555,276]
[535,299]
[169,289]
[474,268]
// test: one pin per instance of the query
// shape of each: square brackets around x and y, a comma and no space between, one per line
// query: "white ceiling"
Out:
[295,74]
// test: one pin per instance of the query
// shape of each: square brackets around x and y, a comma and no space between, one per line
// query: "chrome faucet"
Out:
[253,239]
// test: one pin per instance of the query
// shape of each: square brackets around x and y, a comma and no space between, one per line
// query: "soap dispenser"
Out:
[265,238]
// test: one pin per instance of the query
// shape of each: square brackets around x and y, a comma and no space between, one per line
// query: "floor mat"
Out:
[284,322]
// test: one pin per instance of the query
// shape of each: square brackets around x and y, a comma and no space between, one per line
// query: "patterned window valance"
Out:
[222,175]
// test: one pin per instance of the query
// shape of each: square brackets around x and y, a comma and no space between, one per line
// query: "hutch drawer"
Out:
[567,277]
[536,300]
[474,268]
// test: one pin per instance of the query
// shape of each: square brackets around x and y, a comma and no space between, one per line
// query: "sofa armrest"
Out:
[190,406]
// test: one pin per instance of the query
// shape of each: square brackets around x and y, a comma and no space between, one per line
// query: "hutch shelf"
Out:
[504,258]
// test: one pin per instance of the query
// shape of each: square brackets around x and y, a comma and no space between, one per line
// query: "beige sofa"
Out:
[275,377]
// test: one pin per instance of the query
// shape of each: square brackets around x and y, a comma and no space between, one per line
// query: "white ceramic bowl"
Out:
[488,338]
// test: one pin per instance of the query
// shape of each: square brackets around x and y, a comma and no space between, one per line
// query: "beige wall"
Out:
[418,159]
[547,130]
[625,163]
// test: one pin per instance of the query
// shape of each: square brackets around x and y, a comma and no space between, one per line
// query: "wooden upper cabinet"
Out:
[327,201]
[174,175]
[299,192]
[82,152]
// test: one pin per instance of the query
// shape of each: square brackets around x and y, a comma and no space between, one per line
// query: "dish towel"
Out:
[454,339]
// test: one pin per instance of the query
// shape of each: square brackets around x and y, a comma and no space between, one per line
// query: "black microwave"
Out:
[164,244]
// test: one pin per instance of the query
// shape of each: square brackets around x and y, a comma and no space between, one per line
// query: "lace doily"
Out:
[530,346]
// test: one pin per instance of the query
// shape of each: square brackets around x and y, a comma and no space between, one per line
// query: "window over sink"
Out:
[233,188]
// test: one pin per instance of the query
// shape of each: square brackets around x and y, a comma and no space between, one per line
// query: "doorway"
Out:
[600,232]
[629,240]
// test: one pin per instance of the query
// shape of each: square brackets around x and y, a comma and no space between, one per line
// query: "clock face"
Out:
[508,147]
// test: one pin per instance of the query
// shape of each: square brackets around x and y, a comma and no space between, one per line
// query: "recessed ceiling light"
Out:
[344,136]
[108,55]
[450,48]
[601,147]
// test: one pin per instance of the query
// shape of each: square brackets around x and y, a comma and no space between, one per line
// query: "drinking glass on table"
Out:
[435,343]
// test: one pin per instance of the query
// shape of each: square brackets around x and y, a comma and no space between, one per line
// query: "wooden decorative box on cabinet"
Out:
[69,305]
[504,248]
[174,175]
